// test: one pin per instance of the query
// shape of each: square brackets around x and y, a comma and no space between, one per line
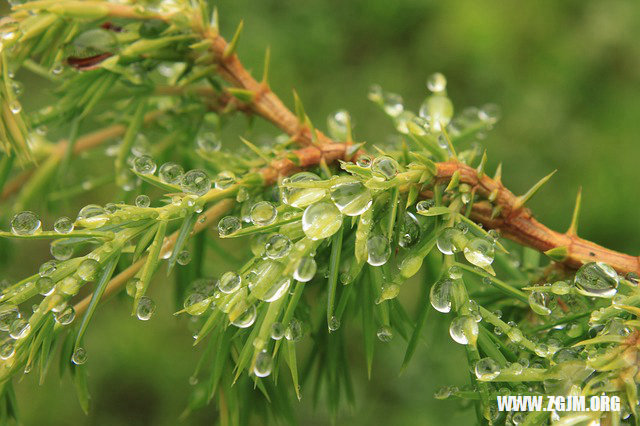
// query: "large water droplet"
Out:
[487,369]
[410,231]
[229,225]
[277,246]
[183,258]
[19,329]
[263,213]
[539,302]
[225,180]
[92,216]
[302,197]
[451,240]
[45,285]
[61,251]
[195,182]
[70,285]
[464,329]
[15,106]
[146,308]
[333,323]
[79,356]
[143,201]
[479,252]
[385,334]
[437,110]
[385,167]
[351,198]
[66,316]
[378,250]
[7,349]
[63,225]
[437,83]
[321,220]
[8,314]
[306,269]
[196,304]
[277,290]
[208,141]
[229,282]
[88,269]
[338,125]
[48,268]
[596,279]
[392,104]
[277,330]
[440,295]
[171,173]
[144,165]
[247,318]
[295,330]
[263,364]
[25,223]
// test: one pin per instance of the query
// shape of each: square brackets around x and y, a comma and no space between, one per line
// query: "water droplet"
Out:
[333,323]
[229,282]
[277,330]
[295,330]
[321,220]
[69,285]
[489,113]
[277,246]
[451,240]
[229,225]
[8,314]
[596,279]
[305,270]
[364,161]
[183,258]
[225,180]
[263,213]
[392,104]
[633,278]
[437,110]
[487,369]
[88,269]
[277,290]
[92,216]
[15,107]
[374,93]
[66,316]
[196,304]
[443,393]
[48,268]
[144,165]
[45,285]
[463,226]
[455,272]
[378,250]
[539,302]
[410,231]
[61,251]
[385,167]
[440,296]
[79,356]
[384,334]
[63,225]
[479,252]
[302,197]
[195,182]
[338,125]
[424,205]
[143,201]
[25,223]
[464,329]
[247,318]
[19,329]
[7,349]
[146,308]
[208,141]
[171,173]
[263,364]
[514,334]
[351,198]
[437,83]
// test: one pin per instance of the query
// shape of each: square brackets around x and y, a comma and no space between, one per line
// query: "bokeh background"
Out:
[567,76]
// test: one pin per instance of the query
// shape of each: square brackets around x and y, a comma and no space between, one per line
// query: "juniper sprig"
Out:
[336,228]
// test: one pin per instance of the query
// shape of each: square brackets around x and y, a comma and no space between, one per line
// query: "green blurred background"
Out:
[567,76]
